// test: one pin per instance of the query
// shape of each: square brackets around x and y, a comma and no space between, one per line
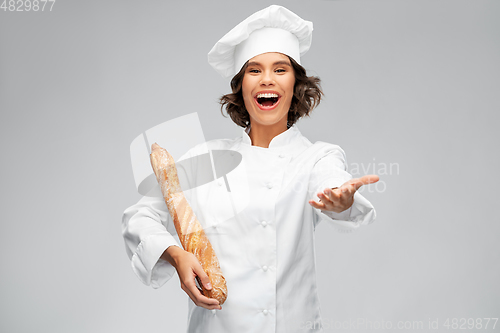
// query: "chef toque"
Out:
[272,29]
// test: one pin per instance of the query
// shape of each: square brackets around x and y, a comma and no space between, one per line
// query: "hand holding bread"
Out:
[188,266]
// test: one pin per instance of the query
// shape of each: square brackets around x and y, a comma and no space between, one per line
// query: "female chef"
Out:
[266,250]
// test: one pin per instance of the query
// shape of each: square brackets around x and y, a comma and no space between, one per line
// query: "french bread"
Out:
[190,232]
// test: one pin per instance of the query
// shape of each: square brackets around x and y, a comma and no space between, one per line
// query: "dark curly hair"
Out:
[306,96]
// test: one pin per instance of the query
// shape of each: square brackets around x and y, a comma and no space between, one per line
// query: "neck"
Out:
[261,135]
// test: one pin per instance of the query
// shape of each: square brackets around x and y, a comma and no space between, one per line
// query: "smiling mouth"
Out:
[267,100]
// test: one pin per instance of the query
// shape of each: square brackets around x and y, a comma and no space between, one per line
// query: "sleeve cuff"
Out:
[343,216]
[360,213]
[146,261]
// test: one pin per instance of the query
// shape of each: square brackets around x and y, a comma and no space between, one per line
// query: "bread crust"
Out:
[189,229]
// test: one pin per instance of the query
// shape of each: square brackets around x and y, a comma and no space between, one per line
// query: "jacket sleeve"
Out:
[331,171]
[148,231]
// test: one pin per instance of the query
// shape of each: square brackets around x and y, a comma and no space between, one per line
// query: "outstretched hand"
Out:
[341,198]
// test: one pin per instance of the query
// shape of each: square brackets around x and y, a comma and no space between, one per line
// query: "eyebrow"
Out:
[280,62]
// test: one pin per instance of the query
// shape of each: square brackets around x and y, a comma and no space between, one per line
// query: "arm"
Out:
[155,254]
[148,231]
[339,202]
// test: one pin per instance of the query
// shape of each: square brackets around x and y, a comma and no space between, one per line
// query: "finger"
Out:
[207,305]
[198,298]
[316,204]
[206,302]
[332,198]
[198,284]
[347,195]
[334,194]
[329,198]
[202,275]
[325,197]
[189,286]
[198,269]
[370,179]
[189,292]
[356,183]
[346,188]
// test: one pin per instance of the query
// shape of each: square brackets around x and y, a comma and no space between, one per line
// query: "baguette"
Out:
[189,229]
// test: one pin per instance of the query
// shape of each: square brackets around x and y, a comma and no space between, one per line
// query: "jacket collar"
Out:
[280,140]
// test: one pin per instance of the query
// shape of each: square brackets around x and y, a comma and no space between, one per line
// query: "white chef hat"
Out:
[272,29]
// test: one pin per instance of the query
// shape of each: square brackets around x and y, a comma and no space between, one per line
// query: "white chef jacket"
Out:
[262,231]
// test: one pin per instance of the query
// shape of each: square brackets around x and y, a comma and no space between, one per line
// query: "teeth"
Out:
[267,95]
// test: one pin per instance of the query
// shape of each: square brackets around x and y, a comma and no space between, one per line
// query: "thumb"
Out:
[370,179]
[203,277]
[365,180]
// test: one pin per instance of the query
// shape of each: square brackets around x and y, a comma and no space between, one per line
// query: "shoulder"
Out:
[204,147]
[319,149]
[330,153]
[324,149]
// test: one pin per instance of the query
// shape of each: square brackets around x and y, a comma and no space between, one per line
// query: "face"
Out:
[267,89]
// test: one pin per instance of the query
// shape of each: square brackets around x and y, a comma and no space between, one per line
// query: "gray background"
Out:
[413,83]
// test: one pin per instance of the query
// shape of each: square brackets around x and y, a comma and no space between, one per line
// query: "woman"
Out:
[266,249]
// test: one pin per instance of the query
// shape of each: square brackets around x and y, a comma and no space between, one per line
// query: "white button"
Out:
[214,311]
[269,185]
[264,223]
[282,155]
[264,268]
[219,182]
[265,312]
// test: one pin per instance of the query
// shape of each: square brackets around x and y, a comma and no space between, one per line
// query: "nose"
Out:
[267,78]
